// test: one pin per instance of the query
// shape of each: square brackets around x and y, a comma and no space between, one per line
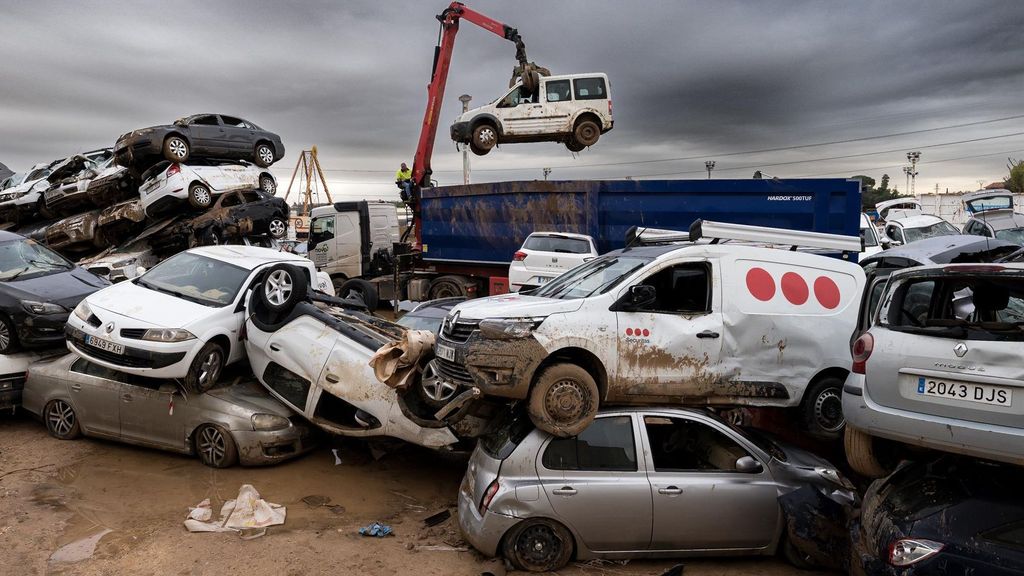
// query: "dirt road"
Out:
[57,497]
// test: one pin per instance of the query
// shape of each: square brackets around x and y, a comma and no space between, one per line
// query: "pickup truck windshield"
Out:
[595,277]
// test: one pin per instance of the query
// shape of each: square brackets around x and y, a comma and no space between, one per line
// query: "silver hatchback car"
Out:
[655,482]
[940,367]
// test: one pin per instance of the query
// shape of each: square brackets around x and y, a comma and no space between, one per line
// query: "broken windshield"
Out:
[1015,235]
[938,229]
[595,277]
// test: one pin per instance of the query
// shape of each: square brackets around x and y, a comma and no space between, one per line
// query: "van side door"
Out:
[558,106]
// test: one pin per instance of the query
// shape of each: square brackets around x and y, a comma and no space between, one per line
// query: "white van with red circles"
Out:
[705,318]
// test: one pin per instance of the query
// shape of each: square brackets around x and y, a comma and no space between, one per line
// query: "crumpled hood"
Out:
[149,306]
[65,288]
[802,458]
[515,306]
[250,395]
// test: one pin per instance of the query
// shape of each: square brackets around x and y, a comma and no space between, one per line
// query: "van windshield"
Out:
[320,230]
[595,277]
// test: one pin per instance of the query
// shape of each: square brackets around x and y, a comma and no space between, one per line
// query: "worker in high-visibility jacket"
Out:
[403,178]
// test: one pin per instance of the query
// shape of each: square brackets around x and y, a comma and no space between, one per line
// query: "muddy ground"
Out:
[55,495]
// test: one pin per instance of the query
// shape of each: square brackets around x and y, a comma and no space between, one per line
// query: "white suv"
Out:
[575,109]
[545,255]
[166,186]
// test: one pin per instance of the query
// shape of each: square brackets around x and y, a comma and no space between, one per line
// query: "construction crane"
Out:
[309,173]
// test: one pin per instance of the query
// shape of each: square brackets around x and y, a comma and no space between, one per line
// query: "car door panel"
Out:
[147,416]
[298,347]
[519,116]
[96,399]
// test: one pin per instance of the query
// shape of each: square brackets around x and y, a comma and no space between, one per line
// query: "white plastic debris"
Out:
[246,511]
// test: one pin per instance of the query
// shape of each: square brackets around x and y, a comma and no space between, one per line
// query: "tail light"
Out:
[609,106]
[909,551]
[519,256]
[485,502]
[172,170]
[861,351]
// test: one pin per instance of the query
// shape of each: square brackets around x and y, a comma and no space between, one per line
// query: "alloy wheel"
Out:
[277,228]
[434,386]
[211,446]
[202,195]
[278,287]
[61,418]
[177,148]
[5,336]
[266,154]
[209,369]
[268,186]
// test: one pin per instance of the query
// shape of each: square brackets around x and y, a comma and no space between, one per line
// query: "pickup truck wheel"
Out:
[564,400]
[199,196]
[365,290]
[284,287]
[215,447]
[823,409]
[176,149]
[434,390]
[538,545]
[277,227]
[573,145]
[205,368]
[485,136]
[586,133]
[862,454]
[263,156]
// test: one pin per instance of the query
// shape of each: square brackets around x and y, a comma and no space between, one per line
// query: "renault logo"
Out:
[449,322]
[109,327]
[960,349]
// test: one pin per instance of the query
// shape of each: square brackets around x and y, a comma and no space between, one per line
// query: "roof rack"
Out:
[717,231]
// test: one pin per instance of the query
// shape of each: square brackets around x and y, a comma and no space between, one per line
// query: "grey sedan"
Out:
[236,423]
[657,482]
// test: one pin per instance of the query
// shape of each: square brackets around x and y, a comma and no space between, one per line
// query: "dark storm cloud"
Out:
[688,79]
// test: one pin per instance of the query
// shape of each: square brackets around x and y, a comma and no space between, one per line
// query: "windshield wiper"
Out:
[50,264]
[19,272]
[176,294]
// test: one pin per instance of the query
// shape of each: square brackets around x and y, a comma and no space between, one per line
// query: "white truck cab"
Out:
[347,238]
[694,323]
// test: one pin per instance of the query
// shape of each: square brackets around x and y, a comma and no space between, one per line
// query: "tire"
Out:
[284,286]
[822,409]
[573,145]
[61,420]
[365,290]
[210,237]
[586,133]
[268,184]
[206,368]
[215,446]
[447,287]
[538,545]
[564,400]
[263,155]
[277,227]
[862,455]
[485,136]
[478,151]
[434,391]
[176,149]
[199,196]
[8,335]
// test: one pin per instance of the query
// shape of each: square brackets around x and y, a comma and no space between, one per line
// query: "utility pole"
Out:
[710,165]
[546,172]
[914,158]
[465,98]
[906,172]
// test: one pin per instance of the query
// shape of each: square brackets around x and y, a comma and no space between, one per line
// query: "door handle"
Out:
[76,387]
[564,491]
[671,490]
[275,347]
[707,334]
[332,378]
[126,397]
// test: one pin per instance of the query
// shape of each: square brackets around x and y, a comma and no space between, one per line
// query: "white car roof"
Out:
[250,257]
[737,250]
[918,221]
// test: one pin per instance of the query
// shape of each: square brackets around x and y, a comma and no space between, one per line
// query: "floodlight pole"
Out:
[465,98]
[913,157]
[710,165]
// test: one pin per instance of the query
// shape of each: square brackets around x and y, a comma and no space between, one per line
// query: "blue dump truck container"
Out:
[482,225]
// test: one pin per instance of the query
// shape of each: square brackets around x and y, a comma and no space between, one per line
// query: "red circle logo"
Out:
[826,291]
[794,288]
[646,332]
[760,284]
[629,331]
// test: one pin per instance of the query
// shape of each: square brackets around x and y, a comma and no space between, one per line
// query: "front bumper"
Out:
[483,532]
[262,448]
[461,132]
[497,367]
[128,150]
[171,361]
[42,330]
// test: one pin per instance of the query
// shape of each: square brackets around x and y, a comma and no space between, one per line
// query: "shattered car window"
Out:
[961,307]
[595,277]
[24,259]
[196,278]
[1015,235]
[937,229]
[607,444]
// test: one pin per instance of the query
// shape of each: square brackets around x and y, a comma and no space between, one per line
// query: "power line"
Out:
[903,163]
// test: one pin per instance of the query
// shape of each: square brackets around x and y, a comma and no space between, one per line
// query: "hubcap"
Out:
[201,194]
[209,369]
[177,148]
[277,228]
[828,410]
[278,287]
[266,154]
[268,186]
[61,418]
[538,546]
[434,387]
[566,401]
[211,445]
[5,336]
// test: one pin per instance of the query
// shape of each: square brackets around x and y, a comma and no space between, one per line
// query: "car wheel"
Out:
[284,287]
[862,454]
[823,409]
[199,196]
[268,184]
[263,156]
[434,390]
[365,290]
[215,446]
[210,237]
[573,145]
[478,151]
[485,136]
[586,133]
[538,545]
[61,420]
[8,336]
[206,368]
[564,400]
[447,287]
[277,227]
[176,149]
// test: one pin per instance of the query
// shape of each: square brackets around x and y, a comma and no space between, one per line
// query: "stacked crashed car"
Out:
[38,289]
[905,222]
[233,216]
[228,424]
[167,186]
[98,184]
[20,203]
[656,482]
[209,135]
[181,319]
[992,216]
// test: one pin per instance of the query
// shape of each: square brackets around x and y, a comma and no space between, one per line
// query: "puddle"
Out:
[79,550]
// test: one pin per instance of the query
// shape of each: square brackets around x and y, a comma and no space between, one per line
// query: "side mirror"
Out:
[636,298]
[168,388]
[140,270]
[748,465]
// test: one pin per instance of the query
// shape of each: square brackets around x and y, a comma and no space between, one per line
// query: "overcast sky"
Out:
[690,82]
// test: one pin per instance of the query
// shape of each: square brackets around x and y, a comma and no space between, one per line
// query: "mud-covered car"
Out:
[234,422]
[75,234]
[233,216]
[120,263]
[200,135]
[70,181]
[167,186]
[98,185]
[13,371]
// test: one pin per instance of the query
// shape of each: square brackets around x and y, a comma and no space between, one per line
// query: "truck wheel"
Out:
[447,287]
[573,145]
[538,545]
[176,149]
[263,155]
[586,133]
[365,290]
[485,136]
[199,196]
[822,408]
[564,400]
[862,455]
[284,287]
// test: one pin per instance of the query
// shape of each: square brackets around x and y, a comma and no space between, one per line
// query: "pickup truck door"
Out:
[669,350]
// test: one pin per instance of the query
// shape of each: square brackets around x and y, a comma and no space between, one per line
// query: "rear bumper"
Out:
[10,398]
[483,532]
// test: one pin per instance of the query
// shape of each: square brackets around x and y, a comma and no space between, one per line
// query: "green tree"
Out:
[1015,181]
[884,186]
[869,195]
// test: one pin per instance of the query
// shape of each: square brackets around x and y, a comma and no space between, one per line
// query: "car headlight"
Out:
[908,551]
[509,328]
[34,307]
[167,335]
[833,476]
[269,422]
[83,311]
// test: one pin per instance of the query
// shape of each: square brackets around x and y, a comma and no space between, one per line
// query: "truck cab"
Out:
[345,238]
